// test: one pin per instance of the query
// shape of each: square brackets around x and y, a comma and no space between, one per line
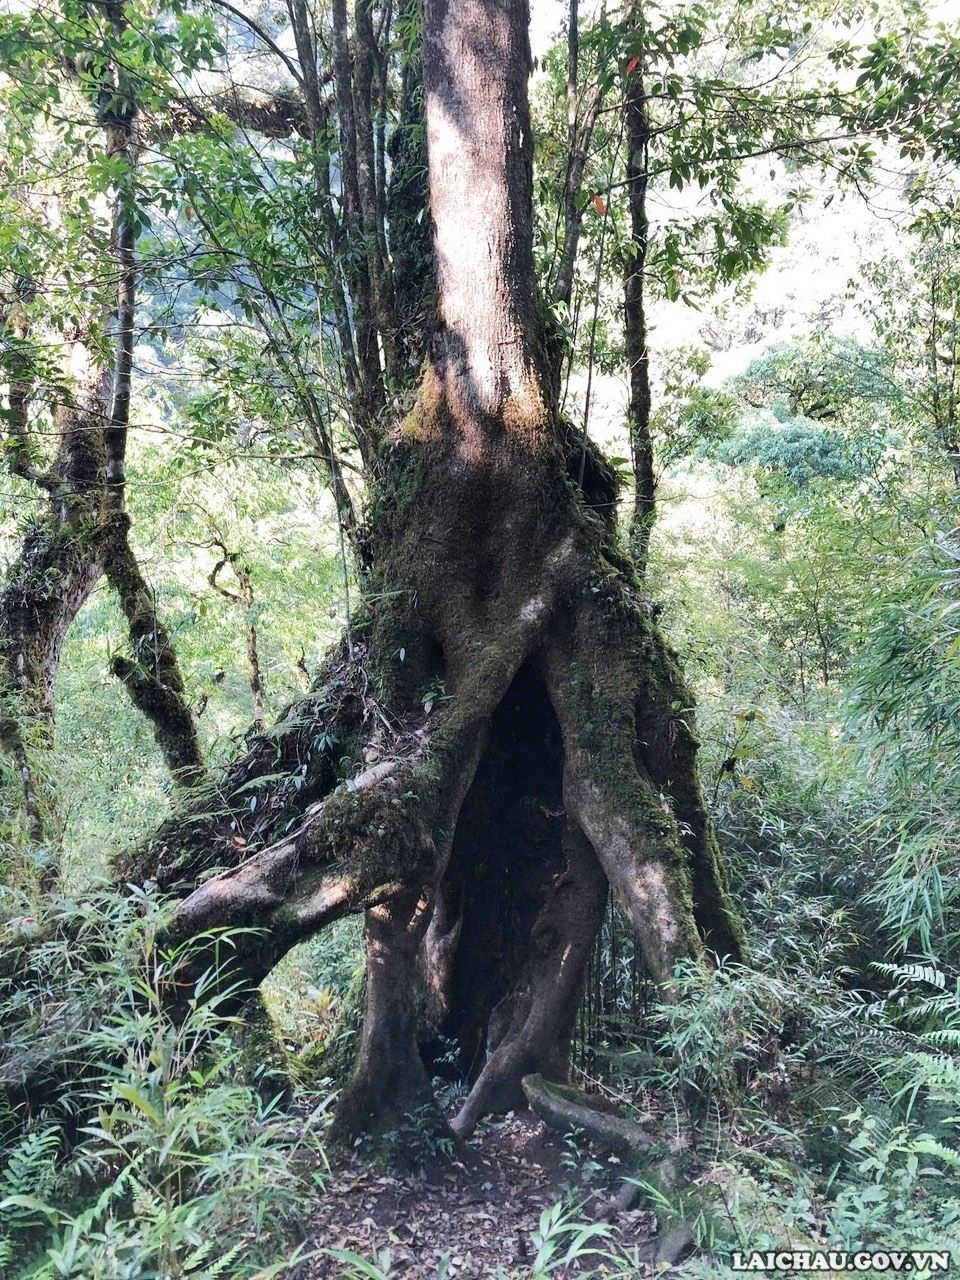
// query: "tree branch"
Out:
[274,115]
[152,675]
[264,37]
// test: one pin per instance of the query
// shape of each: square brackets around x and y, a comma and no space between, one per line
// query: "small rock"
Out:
[676,1244]
[627,1197]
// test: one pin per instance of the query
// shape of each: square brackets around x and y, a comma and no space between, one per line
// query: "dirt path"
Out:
[483,1216]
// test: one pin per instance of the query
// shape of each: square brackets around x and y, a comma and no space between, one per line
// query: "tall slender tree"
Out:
[81,398]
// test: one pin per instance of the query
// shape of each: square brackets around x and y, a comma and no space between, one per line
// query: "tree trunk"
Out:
[530,741]
[48,584]
[634,315]
[84,531]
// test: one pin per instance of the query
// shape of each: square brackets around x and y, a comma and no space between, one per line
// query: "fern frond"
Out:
[30,1171]
[219,1267]
[948,1038]
[911,973]
[926,1144]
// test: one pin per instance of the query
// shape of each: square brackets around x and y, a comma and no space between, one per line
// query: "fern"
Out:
[213,1270]
[946,1039]
[910,973]
[30,1172]
[926,1144]
[939,1073]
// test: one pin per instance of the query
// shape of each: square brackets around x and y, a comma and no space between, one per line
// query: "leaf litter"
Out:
[479,1214]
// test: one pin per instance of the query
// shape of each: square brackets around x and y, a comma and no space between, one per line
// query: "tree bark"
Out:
[634,315]
[58,567]
[564,1110]
[545,1000]
[151,674]
[389,1083]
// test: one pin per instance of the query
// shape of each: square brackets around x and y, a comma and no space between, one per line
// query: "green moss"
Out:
[399,479]
[369,839]
[424,422]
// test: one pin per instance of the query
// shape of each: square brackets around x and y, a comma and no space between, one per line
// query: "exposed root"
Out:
[564,1109]
[356,849]
[629,825]
[264,794]
[389,1082]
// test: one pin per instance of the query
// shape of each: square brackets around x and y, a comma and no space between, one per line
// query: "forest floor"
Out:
[482,1211]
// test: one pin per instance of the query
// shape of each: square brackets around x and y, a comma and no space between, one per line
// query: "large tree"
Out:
[503,734]
[521,732]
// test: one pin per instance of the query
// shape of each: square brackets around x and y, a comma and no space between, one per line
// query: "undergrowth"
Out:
[161,1151]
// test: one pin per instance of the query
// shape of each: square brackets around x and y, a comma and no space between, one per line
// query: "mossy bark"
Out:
[45,590]
[389,1081]
[151,674]
[83,535]
[59,564]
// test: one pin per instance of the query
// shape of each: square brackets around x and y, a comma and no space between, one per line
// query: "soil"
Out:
[479,1212]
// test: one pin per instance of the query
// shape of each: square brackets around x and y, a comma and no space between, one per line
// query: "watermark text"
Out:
[930,1260]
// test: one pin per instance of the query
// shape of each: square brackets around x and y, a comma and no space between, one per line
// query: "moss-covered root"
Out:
[564,1109]
[548,994]
[667,747]
[631,751]
[262,794]
[389,1084]
[630,826]
[362,847]
[385,833]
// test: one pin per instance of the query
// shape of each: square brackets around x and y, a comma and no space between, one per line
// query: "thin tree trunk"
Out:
[635,320]
[357,270]
[581,120]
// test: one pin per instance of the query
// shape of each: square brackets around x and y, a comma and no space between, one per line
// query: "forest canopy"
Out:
[505,495]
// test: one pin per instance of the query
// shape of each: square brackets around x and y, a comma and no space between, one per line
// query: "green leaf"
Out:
[139,1099]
